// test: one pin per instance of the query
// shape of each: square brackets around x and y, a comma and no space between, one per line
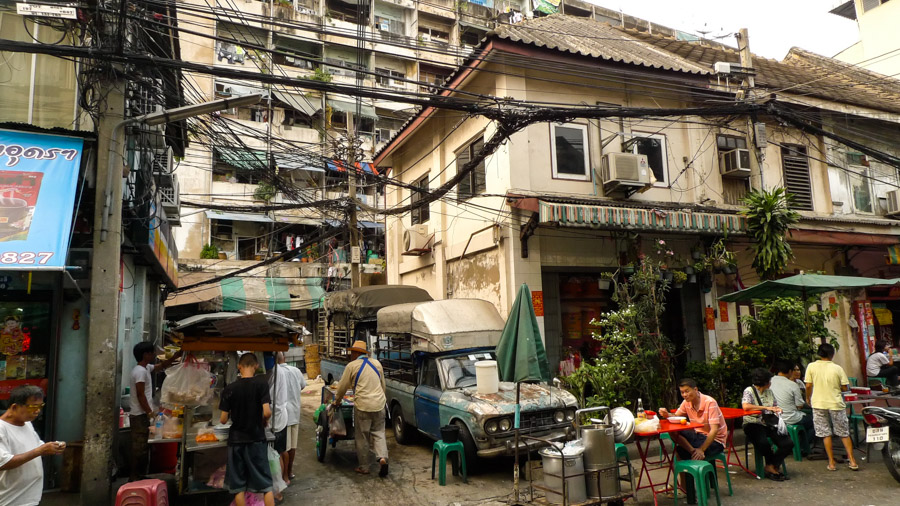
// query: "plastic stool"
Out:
[853,382]
[761,461]
[880,379]
[443,449]
[662,437]
[622,456]
[703,474]
[800,439]
[724,459]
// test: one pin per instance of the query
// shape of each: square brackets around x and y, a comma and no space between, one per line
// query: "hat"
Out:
[359,347]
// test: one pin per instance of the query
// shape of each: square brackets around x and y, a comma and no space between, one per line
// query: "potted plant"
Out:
[628,269]
[605,281]
[209,252]
[678,278]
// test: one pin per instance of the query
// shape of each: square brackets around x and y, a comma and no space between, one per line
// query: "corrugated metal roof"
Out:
[592,38]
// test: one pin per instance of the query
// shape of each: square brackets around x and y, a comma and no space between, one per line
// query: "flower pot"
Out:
[628,271]
[223,256]
[692,278]
[678,285]
[667,275]
[689,270]
[603,284]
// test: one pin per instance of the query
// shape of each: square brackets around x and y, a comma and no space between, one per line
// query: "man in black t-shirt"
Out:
[247,402]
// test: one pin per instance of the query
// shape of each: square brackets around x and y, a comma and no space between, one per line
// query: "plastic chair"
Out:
[704,475]
[853,382]
[724,459]
[442,449]
[622,456]
[662,438]
[761,461]
[800,439]
[879,379]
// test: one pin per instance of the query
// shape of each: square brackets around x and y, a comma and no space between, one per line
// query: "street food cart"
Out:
[216,340]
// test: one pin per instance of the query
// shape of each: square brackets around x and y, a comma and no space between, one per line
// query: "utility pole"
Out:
[102,358]
[355,252]
[746,94]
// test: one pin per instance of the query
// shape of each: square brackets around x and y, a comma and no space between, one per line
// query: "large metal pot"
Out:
[555,464]
[600,455]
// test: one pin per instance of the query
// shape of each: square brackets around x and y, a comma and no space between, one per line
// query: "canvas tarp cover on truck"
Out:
[364,302]
[444,325]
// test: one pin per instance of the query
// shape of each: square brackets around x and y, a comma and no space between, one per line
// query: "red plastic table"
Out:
[731,452]
[642,441]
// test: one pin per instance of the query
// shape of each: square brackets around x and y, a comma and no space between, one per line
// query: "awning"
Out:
[361,167]
[371,224]
[340,105]
[299,102]
[282,218]
[198,295]
[605,217]
[247,159]
[273,294]
[242,89]
[285,161]
[220,215]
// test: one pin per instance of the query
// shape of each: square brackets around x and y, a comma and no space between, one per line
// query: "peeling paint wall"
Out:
[476,276]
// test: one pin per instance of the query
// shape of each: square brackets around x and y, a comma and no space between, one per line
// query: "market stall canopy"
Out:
[258,293]
[520,353]
[443,325]
[196,295]
[237,331]
[364,302]
[803,285]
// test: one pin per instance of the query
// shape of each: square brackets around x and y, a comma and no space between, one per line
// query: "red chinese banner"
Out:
[723,311]
[537,300]
[710,319]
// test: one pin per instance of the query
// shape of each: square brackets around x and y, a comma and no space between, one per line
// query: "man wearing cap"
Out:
[366,377]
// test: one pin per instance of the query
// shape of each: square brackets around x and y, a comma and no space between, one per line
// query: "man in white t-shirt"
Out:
[142,408]
[21,471]
[295,383]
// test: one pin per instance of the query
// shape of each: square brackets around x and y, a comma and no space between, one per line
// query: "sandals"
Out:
[831,468]
[361,470]
[853,467]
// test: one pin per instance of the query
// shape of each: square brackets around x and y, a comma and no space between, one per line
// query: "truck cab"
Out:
[429,350]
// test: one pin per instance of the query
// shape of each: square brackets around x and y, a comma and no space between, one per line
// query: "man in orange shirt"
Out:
[704,442]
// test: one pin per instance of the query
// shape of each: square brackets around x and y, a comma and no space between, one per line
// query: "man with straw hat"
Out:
[366,377]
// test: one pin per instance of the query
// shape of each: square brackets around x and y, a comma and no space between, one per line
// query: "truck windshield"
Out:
[461,369]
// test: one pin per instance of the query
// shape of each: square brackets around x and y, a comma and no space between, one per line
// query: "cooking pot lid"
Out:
[623,424]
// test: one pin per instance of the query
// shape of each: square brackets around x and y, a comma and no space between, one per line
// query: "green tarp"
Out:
[803,285]
[520,353]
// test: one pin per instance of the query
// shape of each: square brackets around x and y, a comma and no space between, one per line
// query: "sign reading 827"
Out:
[25,258]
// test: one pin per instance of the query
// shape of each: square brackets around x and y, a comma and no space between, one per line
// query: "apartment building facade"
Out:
[877,49]
[560,204]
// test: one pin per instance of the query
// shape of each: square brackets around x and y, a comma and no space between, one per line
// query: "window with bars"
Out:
[421,214]
[390,78]
[795,168]
[474,182]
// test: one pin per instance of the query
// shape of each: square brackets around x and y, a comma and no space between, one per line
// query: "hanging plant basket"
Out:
[692,278]
[604,284]
[667,275]
[628,270]
[689,270]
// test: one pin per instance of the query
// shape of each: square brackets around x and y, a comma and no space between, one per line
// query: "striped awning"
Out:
[265,293]
[361,167]
[605,217]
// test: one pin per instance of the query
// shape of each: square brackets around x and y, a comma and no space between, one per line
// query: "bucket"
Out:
[553,464]
[600,455]
[487,378]
[450,433]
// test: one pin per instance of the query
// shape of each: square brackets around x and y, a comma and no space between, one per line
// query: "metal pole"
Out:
[516,467]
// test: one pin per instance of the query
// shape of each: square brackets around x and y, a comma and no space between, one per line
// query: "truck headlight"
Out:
[559,416]
[570,414]
[490,426]
[505,424]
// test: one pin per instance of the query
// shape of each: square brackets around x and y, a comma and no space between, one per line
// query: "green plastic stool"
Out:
[721,457]
[622,456]
[800,439]
[761,461]
[880,379]
[443,449]
[704,475]
[662,437]
[853,382]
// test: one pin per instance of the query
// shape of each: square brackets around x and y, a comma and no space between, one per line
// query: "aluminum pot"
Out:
[555,464]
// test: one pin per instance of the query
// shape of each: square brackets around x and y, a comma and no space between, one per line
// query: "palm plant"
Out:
[769,220]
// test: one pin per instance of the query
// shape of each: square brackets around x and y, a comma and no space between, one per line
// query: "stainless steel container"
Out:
[553,463]
[600,455]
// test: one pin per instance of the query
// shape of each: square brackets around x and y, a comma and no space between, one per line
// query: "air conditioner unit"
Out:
[893,203]
[163,161]
[620,171]
[418,237]
[735,163]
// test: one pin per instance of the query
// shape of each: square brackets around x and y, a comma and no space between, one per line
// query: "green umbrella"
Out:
[803,285]
[520,352]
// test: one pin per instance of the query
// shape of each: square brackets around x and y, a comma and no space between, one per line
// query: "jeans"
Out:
[758,433]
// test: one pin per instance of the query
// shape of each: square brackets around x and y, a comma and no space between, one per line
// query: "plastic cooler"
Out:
[143,493]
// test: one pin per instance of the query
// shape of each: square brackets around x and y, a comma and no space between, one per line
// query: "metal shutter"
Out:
[795,165]
[464,189]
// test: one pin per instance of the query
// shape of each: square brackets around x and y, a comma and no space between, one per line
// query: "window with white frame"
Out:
[569,151]
[654,147]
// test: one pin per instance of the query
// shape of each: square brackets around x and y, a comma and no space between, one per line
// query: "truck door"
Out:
[427,399]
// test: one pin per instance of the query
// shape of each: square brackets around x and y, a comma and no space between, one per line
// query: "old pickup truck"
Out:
[429,351]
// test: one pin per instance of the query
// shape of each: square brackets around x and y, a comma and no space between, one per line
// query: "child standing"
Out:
[247,402]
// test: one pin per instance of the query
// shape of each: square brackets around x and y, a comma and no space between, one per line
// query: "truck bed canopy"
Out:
[364,302]
[444,325]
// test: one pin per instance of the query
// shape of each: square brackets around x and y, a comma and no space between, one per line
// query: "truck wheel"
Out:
[321,436]
[465,437]
[403,431]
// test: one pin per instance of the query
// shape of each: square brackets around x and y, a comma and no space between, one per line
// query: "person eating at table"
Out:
[759,397]
[791,398]
[881,364]
[704,442]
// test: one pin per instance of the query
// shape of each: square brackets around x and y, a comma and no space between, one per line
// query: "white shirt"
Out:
[874,363]
[141,374]
[295,385]
[23,485]
[279,395]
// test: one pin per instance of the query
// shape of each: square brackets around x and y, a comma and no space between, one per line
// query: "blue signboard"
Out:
[38,176]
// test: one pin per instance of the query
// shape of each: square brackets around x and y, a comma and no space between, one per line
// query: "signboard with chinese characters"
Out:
[38,175]
[537,300]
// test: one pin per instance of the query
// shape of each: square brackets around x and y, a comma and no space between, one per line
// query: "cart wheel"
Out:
[321,436]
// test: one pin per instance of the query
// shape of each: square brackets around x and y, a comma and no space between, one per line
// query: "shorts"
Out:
[247,469]
[281,441]
[831,421]
[696,440]
[293,436]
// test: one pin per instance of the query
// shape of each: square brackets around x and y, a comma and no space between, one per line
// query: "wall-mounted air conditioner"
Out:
[735,163]
[625,171]
[893,203]
[417,238]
